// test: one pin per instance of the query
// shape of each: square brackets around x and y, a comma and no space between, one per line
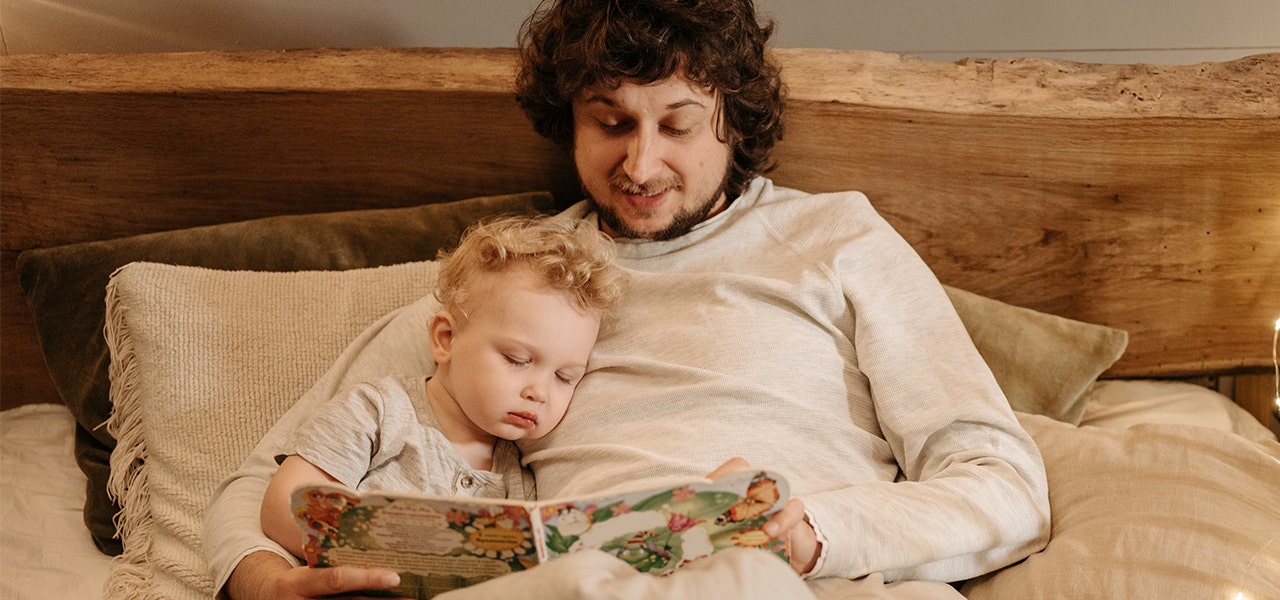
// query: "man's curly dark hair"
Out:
[571,44]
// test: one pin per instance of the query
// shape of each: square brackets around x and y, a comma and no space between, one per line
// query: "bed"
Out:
[1108,233]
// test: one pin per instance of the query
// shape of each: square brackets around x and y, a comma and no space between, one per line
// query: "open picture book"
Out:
[439,543]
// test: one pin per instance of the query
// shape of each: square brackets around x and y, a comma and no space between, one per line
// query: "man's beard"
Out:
[683,222]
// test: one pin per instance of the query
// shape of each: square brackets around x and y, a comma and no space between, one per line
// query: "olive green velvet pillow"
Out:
[1045,364]
[65,290]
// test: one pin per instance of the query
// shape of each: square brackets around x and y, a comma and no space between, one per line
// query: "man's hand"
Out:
[788,524]
[265,575]
[800,534]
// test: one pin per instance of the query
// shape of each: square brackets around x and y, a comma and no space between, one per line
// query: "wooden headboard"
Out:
[1141,197]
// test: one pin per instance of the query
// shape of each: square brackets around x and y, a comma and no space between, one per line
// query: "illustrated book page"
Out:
[439,543]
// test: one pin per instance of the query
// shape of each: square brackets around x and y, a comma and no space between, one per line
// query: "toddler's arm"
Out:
[277,518]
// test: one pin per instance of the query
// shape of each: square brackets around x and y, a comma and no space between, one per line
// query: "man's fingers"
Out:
[310,583]
[734,464]
[782,521]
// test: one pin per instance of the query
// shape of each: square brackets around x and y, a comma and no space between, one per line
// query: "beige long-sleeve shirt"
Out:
[802,333]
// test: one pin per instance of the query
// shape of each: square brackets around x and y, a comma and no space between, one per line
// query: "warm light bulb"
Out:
[1275,362]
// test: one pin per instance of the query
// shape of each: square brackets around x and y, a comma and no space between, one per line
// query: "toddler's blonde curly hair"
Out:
[568,254]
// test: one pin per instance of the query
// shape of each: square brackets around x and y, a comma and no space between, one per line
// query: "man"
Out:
[798,332]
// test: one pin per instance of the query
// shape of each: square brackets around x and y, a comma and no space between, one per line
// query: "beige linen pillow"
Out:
[1153,511]
[203,362]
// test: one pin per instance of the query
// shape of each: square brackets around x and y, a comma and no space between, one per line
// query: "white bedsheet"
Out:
[1123,403]
[46,552]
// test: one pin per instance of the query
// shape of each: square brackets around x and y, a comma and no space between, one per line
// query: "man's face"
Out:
[649,157]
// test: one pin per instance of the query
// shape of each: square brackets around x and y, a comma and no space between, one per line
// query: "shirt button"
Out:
[467,482]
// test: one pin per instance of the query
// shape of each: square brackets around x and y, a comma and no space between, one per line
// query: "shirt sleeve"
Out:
[342,437]
[971,495]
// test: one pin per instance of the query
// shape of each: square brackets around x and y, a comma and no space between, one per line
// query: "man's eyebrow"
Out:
[607,101]
[599,99]
[684,103]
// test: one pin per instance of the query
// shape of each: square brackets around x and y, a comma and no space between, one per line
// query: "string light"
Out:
[1276,363]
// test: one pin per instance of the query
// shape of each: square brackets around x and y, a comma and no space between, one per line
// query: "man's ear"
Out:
[441,329]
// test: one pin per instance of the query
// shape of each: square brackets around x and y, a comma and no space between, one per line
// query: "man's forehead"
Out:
[672,93]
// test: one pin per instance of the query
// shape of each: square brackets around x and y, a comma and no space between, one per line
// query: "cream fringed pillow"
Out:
[203,363]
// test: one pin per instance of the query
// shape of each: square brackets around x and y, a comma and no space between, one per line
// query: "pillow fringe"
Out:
[129,578]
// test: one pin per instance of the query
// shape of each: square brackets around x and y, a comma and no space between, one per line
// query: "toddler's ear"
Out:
[441,329]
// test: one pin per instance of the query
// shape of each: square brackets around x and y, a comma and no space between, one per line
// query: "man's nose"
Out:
[644,157]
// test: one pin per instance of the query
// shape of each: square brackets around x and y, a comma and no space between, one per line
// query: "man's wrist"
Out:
[817,559]
[252,578]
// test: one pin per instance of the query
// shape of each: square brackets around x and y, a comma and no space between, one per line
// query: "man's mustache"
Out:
[624,184]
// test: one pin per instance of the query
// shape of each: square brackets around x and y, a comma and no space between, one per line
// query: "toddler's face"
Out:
[518,356]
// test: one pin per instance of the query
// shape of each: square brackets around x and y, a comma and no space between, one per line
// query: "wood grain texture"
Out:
[1129,195]
[24,378]
[1145,198]
[1035,87]
[1256,393]
[1166,228]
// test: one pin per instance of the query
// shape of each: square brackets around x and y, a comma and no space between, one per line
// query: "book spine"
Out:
[539,532]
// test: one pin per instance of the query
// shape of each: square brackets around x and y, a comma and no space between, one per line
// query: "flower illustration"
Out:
[518,516]
[496,542]
[683,494]
[458,518]
[679,522]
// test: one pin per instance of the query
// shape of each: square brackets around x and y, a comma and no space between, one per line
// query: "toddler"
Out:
[521,303]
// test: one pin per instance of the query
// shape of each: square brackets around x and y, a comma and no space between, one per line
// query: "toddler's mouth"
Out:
[522,419]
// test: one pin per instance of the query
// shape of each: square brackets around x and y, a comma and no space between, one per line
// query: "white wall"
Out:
[1154,31]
